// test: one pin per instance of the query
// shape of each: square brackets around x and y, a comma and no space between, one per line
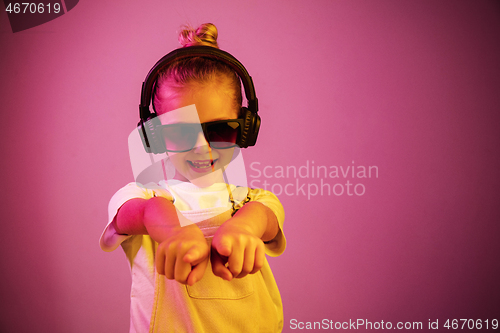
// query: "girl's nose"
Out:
[201,145]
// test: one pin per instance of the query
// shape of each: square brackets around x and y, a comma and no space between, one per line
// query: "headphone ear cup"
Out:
[152,138]
[255,130]
[250,128]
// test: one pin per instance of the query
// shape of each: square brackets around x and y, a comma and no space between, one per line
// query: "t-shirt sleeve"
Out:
[110,238]
[277,245]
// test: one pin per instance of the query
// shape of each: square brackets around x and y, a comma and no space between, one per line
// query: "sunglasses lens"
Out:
[183,137]
[180,137]
[223,135]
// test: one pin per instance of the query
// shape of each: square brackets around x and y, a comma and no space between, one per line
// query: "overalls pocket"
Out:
[214,287]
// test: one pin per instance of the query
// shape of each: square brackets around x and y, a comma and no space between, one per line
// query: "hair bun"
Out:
[205,34]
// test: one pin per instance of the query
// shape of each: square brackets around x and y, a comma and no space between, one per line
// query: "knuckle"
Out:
[169,246]
[179,246]
[163,247]
[240,238]
[258,242]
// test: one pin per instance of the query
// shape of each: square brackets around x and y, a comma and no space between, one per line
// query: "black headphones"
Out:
[153,140]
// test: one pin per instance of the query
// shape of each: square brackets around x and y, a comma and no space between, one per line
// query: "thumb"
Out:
[193,256]
[197,272]
[224,248]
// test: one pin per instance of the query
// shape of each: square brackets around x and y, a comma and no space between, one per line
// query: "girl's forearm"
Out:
[154,217]
[157,216]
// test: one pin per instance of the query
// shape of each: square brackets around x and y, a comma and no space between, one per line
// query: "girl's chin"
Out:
[205,180]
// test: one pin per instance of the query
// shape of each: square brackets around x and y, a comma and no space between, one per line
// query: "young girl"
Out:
[197,245]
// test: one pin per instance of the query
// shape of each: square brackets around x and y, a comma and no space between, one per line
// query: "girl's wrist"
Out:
[160,218]
[252,218]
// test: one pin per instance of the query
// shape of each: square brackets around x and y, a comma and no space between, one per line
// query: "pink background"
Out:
[408,86]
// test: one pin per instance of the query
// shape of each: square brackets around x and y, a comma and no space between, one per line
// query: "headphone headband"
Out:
[196,51]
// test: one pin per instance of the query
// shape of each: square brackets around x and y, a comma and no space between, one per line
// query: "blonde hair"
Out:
[196,72]
[205,34]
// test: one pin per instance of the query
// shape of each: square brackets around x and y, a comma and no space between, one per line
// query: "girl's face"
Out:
[202,165]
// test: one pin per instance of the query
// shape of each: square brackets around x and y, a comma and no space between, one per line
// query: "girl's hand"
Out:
[236,250]
[183,255]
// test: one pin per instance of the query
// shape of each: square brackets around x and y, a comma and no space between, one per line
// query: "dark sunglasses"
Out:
[220,134]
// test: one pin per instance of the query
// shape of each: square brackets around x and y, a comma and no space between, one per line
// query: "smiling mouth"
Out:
[202,164]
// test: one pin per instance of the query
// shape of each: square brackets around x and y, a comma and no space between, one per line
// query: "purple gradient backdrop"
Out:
[408,86]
